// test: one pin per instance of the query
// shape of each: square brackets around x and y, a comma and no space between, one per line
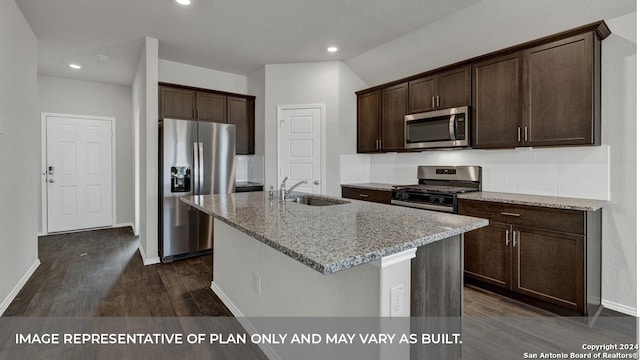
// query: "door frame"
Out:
[43,163]
[323,162]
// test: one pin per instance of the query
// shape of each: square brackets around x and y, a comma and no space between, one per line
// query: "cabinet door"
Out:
[549,265]
[394,108]
[422,94]
[368,121]
[240,112]
[211,107]
[176,103]
[454,88]
[487,254]
[559,92]
[497,106]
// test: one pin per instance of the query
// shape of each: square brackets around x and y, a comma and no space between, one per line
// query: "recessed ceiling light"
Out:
[75,66]
[184,2]
[332,49]
[103,58]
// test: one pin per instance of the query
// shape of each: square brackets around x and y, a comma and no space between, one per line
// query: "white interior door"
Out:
[78,173]
[301,146]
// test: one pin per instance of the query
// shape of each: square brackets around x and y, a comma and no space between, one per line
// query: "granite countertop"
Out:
[332,238]
[247,184]
[536,200]
[371,186]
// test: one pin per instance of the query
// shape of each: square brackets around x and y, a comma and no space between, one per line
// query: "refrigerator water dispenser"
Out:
[180,179]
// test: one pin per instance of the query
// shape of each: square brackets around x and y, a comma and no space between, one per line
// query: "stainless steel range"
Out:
[438,187]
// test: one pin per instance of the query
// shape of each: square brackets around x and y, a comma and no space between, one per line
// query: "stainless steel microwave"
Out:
[447,128]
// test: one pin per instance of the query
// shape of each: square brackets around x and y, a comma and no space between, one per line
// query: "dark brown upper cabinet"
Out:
[394,108]
[183,102]
[497,102]
[545,92]
[368,122]
[240,112]
[381,119]
[562,92]
[211,107]
[443,90]
[176,103]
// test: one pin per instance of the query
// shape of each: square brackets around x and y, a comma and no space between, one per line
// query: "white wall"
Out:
[495,24]
[619,129]
[189,75]
[67,96]
[326,83]
[145,132]
[19,152]
[349,83]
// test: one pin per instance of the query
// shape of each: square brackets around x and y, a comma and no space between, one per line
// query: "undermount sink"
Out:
[315,201]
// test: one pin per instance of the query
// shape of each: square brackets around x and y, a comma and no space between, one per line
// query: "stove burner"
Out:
[441,189]
[437,189]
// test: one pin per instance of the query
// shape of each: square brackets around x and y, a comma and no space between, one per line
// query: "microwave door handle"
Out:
[452,127]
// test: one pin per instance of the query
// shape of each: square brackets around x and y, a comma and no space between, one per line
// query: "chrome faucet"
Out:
[284,193]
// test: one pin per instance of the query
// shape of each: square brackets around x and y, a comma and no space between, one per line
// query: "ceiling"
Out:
[236,36]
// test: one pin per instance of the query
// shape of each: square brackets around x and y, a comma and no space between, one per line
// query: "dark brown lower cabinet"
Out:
[487,257]
[547,265]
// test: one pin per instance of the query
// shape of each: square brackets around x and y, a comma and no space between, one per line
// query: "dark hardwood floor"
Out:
[100,274]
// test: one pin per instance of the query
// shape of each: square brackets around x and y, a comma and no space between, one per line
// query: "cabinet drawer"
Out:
[568,221]
[379,196]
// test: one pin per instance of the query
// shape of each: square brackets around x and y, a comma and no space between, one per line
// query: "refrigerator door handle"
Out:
[196,170]
[200,167]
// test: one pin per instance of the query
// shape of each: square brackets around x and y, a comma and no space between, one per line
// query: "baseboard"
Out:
[266,349]
[12,295]
[628,310]
[145,260]
[121,225]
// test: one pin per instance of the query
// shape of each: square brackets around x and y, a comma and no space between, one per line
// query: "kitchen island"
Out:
[354,258]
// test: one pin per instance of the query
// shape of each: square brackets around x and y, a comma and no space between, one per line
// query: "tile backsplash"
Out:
[250,168]
[581,172]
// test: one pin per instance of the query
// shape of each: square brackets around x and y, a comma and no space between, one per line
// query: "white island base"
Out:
[254,280]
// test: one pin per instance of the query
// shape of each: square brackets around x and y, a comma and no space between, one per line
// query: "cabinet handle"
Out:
[510,214]
[433,101]
[518,133]
[506,237]
[363,195]
[438,101]
[514,243]
[377,144]
[526,133]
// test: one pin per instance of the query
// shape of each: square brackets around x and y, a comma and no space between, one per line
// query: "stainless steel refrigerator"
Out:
[196,158]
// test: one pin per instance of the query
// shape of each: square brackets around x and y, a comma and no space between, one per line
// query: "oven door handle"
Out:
[452,127]
[443,208]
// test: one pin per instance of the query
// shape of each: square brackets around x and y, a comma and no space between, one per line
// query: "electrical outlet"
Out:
[396,300]
[257,283]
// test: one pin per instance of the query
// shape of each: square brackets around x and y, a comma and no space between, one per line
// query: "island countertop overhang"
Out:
[332,238]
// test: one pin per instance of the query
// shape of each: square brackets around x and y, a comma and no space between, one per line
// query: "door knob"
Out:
[51,180]
[316,182]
